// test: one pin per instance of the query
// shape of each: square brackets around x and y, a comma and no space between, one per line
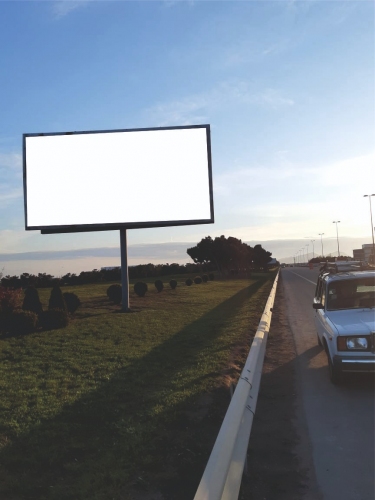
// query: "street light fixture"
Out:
[337,235]
[321,239]
[372,227]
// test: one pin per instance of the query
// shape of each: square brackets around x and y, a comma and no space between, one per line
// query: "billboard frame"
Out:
[74,228]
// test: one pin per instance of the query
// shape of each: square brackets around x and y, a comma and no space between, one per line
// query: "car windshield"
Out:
[351,294]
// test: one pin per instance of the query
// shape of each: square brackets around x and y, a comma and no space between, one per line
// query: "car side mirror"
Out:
[318,305]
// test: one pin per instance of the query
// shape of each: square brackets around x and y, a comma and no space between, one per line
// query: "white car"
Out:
[344,306]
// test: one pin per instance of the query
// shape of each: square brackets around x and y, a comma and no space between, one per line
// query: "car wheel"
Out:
[335,373]
[319,341]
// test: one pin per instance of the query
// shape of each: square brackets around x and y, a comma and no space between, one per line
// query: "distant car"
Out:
[344,306]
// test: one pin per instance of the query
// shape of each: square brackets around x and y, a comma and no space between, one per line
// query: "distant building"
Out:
[365,253]
[368,252]
[109,268]
[358,254]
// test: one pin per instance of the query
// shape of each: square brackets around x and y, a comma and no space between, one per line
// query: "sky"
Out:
[287,87]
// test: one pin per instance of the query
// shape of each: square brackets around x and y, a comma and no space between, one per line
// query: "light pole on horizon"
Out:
[312,241]
[321,239]
[337,236]
[307,253]
[372,226]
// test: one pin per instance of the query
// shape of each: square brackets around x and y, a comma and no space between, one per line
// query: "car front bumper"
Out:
[355,363]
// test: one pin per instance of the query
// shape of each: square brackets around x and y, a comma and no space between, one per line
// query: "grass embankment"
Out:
[116,403]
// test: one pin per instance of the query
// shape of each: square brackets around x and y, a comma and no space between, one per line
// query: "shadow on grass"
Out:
[135,426]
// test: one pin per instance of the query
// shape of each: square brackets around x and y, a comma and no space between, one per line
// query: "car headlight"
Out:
[356,343]
[352,343]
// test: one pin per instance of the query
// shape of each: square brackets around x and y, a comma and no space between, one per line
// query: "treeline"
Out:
[43,280]
[228,256]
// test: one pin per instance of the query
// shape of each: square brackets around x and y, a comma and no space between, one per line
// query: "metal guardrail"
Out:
[221,479]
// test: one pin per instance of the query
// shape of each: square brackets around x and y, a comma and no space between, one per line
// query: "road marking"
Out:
[313,282]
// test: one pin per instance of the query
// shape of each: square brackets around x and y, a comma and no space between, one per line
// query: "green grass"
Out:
[112,402]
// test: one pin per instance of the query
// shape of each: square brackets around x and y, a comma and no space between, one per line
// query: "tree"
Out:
[261,257]
[56,300]
[226,254]
[31,302]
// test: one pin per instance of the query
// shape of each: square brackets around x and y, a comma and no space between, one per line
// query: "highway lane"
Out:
[339,419]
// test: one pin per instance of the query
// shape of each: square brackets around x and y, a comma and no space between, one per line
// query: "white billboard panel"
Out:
[110,179]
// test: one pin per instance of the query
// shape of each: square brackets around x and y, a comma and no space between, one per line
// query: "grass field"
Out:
[117,405]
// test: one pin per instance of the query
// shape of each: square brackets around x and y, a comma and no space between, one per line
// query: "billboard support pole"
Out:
[124,271]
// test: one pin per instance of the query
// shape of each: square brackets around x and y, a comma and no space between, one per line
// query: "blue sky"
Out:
[287,87]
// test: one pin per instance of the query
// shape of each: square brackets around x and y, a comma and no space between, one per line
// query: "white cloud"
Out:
[62,8]
[274,99]
[7,196]
[247,52]
[355,173]
[197,107]
[282,200]
[12,240]
[11,161]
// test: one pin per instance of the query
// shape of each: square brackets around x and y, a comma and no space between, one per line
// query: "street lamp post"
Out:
[337,236]
[307,253]
[321,239]
[372,226]
[312,241]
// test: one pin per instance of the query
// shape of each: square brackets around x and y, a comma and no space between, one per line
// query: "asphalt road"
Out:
[340,420]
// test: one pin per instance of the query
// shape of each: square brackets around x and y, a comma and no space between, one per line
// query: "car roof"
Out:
[344,275]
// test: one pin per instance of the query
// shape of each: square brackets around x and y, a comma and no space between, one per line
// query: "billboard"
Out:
[112,179]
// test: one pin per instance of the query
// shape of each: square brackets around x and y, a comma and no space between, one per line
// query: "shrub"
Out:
[72,301]
[10,300]
[189,282]
[205,278]
[22,322]
[56,300]
[211,276]
[173,284]
[197,280]
[54,318]
[159,285]
[31,302]
[114,293]
[140,288]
